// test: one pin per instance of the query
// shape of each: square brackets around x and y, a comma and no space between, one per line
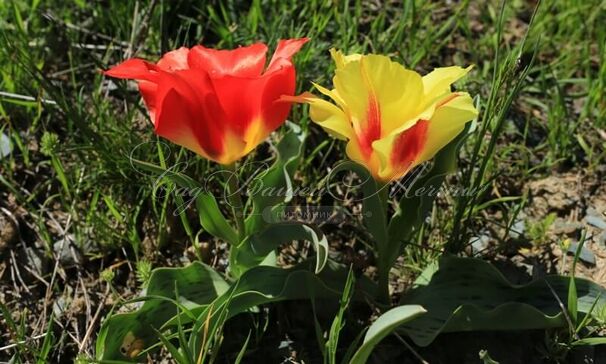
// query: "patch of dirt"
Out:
[577,204]
[560,210]
[562,194]
[8,231]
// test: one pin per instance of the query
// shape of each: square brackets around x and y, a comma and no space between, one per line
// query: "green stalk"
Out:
[383,284]
[383,256]
[235,200]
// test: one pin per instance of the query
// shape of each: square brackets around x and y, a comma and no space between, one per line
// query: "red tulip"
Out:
[218,103]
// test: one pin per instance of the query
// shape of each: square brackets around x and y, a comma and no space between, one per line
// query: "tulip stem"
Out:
[383,285]
[235,199]
[383,263]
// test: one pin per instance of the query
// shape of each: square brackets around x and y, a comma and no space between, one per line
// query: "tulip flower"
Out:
[218,103]
[392,118]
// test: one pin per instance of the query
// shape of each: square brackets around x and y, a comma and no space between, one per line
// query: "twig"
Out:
[26,98]
[72,69]
[86,298]
[91,326]
[36,275]
[10,346]
[48,293]
[17,272]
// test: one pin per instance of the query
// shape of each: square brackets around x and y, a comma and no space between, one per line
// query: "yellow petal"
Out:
[447,118]
[254,135]
[383,149]
[437,82]
[398,153]
[236,146]
[398,92]
[325,114]
[355,153]
[333,94]
[330,118]
[446,123]
[341,60]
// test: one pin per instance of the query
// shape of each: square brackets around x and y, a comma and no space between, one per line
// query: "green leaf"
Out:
[331,346]
[417,200]
[58,167]
[572,289]
[263,284]
[179,178]
[591,341]
[18,19]
[373,204]
[211,217]
[466,294]
[177,355]
[207,300]
[47,345]
[276,178]
[383,326]
[196,284]
[255,248]
[242,352]
[374,209]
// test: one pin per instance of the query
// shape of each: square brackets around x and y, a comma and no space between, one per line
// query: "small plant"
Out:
[393,120]
[582,328]
[144,269]
[49,143]
[329,344]
[538,231]
[108,275]
[202,85]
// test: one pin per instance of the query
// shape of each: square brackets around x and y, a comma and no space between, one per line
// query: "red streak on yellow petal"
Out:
[448,99]
[371,131]
[409,145]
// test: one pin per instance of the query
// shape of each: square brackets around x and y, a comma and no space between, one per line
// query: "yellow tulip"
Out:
[393,118]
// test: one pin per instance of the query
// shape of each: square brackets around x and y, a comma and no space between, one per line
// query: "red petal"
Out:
[408,145]
[247,99]
[148,91]
[188,112]
[273,110]
[146,73]
[285,50]
[174,60]
[135,69]
[243,62]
